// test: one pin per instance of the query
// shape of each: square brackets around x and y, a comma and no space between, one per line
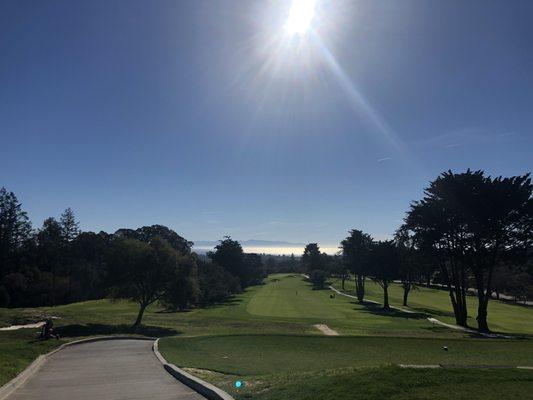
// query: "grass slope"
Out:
[350,367]
[290,297]
[266,337]
[503,317]
[18,349]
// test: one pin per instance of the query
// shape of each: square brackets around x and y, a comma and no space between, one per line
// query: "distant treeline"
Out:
[469,233]
[59,264]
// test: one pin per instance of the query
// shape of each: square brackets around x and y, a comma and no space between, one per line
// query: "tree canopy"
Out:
[470,223]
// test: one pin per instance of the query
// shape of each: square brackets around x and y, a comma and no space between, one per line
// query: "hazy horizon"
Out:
[267,247]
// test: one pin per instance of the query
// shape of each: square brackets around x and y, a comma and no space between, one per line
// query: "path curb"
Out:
[206,389]
[21,378]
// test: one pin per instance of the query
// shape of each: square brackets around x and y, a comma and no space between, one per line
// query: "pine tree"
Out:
[69,226]
[15,229]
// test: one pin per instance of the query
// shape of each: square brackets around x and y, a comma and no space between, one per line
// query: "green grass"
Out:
[503,317]
[289,297]
[266,337]
[262,354]
[394,383]
[273,308]
[18,349]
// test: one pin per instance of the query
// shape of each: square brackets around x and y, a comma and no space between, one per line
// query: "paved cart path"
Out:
[110,370]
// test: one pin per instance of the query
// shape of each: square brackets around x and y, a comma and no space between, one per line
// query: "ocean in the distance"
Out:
[274,250]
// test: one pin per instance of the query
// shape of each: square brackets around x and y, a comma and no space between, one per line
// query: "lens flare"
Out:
[301,15]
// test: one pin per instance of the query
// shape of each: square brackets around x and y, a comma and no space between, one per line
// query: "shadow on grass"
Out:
[437,329]
[514,303]
[99,329]
[232,301]
[172,311]
[377,309]
[433,311]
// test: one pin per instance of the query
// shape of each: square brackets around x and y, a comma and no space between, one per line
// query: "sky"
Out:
[211,118]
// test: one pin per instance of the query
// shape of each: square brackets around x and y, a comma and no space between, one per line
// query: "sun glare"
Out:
[301,15]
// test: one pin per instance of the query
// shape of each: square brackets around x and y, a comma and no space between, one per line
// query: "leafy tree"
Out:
[4,297]
[89,269]
[356,255]
[271,266]
[15,230]
[499,218]
[147,233]
[293,265]
[514,281]
[32,287]
[318,278]
[183,290]
[312,258]
[51,257]
[229,255]
[410,260]
[337,267]
[254,268]
[216,283]
[384,265]
[141,271]
[469,223]
[248,268]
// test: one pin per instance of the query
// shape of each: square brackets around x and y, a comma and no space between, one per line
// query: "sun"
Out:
[301,15]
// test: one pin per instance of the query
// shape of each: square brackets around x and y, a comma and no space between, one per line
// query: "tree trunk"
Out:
[461,318]
[386,296]
[140,315]
[360,288]
[462,313]
[454,275]
[343,279]
[484,290]
[406,290]
[482,323]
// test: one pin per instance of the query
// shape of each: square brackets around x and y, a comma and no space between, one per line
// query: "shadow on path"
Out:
[99,329]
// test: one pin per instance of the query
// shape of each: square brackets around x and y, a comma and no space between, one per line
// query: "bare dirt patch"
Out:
[326,330]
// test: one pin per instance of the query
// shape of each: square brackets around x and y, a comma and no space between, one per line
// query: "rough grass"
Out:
[18,349]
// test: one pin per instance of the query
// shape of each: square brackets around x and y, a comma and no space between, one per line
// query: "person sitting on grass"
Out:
[48,331]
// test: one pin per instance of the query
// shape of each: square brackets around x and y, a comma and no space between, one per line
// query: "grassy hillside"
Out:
[310,367]
[290,297]
[266,337]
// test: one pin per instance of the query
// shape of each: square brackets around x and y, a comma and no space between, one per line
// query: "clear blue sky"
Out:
[204,116]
